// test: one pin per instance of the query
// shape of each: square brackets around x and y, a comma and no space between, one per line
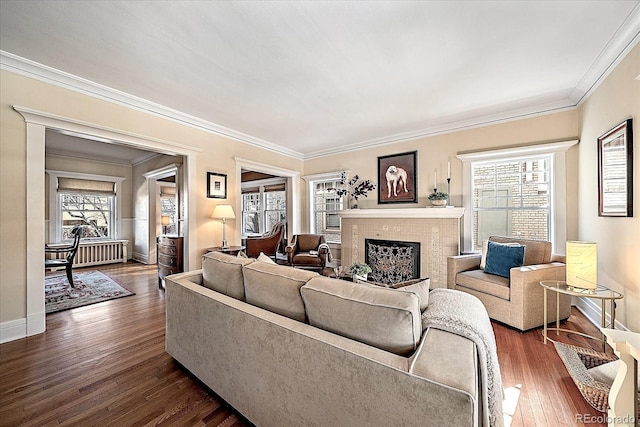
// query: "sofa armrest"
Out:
[528,295]
[520,276]
[459,263]
[194,276]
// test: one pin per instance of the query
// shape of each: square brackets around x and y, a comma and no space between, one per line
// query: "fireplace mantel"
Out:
[428,212]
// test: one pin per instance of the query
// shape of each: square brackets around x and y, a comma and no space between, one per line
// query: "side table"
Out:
[602,293]
[231,250]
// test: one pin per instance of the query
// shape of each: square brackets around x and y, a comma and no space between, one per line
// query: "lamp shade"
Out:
[164,219]
[223,212]
[582,265]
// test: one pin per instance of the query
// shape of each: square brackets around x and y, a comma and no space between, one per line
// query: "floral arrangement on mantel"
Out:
[354,188]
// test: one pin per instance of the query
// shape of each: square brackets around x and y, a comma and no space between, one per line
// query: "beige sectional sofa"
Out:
[516,300]
[288,347]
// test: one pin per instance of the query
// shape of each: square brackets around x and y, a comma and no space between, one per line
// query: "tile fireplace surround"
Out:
[436,229]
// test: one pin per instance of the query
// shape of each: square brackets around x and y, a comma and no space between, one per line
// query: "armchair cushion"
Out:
[502,258]
[480,281]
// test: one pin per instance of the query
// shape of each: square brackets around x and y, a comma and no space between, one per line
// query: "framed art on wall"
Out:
[615,171]
[216,185]
[397,180]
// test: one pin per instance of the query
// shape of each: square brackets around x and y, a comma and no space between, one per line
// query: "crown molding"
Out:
[620,44]
[35,70]
[455,126]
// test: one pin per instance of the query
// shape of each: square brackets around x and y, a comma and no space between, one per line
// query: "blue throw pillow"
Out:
[502,258]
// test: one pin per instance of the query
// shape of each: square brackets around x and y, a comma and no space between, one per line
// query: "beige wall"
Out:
[616,99]
[434,152]
[217,155]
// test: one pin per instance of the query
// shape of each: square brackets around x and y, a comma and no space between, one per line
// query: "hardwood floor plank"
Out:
[105,365]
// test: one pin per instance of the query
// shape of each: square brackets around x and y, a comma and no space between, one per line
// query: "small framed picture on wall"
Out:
[216,185]
[397,180]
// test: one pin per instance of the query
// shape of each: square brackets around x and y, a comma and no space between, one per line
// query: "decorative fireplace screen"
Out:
[392,261]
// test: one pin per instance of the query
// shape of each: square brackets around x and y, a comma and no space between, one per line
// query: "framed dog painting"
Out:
[397,180]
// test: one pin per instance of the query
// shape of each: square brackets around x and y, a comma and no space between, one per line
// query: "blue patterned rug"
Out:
[89,288]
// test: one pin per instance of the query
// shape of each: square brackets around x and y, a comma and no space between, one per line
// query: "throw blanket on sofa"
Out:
[463,314]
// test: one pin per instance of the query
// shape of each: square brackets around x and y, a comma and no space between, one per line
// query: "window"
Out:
[325,204]
[91,201]
[511,198]
[263,206]
[94,212]
[516,192]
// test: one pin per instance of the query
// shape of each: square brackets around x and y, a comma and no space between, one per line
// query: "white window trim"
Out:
[557,182]
[311,181]
[55,231]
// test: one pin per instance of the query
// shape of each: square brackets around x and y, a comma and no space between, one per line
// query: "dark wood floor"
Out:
[105,364]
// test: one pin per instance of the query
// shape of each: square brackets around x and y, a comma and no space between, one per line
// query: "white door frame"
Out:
[37,122]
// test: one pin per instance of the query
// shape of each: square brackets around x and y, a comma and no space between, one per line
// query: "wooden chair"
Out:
[267,243]
[70,250]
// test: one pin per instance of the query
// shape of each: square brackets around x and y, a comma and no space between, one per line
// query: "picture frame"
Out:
[615,171]
[216,185]
[397,178]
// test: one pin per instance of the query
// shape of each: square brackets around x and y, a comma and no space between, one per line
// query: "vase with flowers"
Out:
[353,188]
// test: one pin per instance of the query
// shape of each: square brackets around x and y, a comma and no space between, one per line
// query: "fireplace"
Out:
[392,261]
[436,229]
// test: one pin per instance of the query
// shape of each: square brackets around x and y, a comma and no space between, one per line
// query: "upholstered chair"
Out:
[267,243]
[517,299]
[308,251]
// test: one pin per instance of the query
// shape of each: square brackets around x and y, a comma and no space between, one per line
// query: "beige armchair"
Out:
[517,300]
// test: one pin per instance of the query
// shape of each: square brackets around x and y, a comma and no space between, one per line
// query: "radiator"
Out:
[96,253]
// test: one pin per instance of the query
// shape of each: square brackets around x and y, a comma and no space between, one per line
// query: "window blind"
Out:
[86,186]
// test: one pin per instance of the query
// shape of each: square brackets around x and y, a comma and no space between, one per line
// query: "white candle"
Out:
[449,170]
[435,179]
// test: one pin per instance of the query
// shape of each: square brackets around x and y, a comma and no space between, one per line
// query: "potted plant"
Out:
[359,270]
[438,198]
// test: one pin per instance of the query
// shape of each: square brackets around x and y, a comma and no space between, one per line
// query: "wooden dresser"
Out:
[169,250]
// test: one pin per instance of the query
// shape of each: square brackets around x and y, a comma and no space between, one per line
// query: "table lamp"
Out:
[164,220]
[223,212]
[582,265]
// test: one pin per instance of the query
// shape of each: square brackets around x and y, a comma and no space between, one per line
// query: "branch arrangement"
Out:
[352,187]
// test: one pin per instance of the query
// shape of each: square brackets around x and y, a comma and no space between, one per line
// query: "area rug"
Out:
[89,288]
[578,362]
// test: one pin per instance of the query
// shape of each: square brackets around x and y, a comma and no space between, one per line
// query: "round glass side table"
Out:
[601,293]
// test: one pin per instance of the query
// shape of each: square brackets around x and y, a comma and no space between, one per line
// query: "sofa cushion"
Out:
[536,252]
[223,273]
[265,258]
[276,288]
[418,286]
[377,316]
[480,281]
[501,258]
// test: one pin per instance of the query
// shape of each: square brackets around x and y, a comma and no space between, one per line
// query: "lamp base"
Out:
[225,244]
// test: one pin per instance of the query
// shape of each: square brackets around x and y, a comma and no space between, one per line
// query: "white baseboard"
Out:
[592,310]
[13,330]
[137,256]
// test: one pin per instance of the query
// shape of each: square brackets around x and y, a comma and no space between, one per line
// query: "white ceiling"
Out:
[313,78]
